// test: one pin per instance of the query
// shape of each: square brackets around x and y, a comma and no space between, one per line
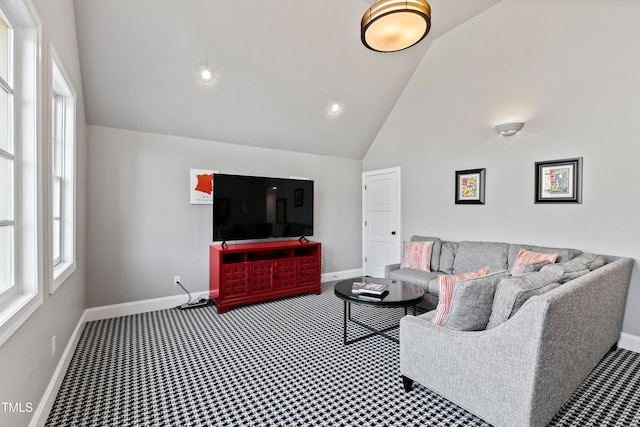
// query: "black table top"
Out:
[401,294]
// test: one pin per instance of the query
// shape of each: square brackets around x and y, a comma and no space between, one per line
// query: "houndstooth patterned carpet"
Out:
[281,363]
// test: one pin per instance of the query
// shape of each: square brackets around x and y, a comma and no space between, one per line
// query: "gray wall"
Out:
[27,364]
[142,230]
[566,69]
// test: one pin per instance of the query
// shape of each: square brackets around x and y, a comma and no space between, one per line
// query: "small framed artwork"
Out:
[201,186]
[470,187]
[559,181]
[298,194]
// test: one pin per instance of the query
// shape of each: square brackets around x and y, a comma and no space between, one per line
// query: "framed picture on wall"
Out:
[559,181]
[470,187]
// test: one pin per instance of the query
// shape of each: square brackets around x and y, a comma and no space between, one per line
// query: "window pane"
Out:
[57,184]
[58,133]
[4,121]
[56,242]
[6,258]
[4,51]
[6,186]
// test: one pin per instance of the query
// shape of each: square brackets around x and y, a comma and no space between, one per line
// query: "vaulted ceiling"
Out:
[279,65]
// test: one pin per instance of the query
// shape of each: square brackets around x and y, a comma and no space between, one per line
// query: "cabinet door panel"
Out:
[285,274]
[261,277]
[235,281]
[307,271]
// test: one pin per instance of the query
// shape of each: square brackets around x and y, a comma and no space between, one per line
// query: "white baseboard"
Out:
[340,275]
[629,342]
[137,307]
[41,413]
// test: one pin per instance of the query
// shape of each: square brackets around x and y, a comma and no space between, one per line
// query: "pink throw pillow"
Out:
[446,285]
[417,255]
[528,257]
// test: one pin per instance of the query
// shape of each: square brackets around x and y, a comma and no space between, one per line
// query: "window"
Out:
[7,168]
[21,290]
[63,102]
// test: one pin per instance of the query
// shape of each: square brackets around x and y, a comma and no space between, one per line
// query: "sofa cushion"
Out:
[447,284]
[529,257]
[564,254]
[417,277]
[435,252]
[575,268]
[471,256]
[591,261]
[416,255]
[472,302]
[533,267]
[447,256]
[512,292]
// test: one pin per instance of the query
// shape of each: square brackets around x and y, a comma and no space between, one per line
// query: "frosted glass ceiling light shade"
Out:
[392,25]
[508,129]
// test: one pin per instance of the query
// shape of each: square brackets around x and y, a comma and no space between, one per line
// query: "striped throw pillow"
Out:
[526,257]
[446,285]
[417,255]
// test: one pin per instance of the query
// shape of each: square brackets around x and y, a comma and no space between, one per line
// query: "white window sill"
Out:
[16,313]
[61,273]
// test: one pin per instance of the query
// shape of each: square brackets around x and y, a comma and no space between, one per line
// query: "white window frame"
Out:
[27,105]
[62,132]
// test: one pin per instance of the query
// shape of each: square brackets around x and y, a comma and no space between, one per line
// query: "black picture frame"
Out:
[470,187]
[558,181]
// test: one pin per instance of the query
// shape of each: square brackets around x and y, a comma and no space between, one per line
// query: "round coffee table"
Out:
[400,294]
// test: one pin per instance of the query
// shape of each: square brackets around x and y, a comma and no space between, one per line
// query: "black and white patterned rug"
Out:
[281,363]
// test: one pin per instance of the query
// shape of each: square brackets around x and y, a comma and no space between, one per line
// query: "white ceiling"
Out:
[279,65]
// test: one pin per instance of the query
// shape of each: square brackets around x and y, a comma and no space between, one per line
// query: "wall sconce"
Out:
[509,129]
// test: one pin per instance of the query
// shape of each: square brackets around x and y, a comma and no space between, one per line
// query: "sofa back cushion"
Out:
[472,302]
[582,264]
[471,256]
[564,254]
[435,250]
[448,256]
[512,292]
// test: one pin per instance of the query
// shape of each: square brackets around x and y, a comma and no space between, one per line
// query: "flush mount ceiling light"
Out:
[509,129]
[334,108]
[392,25]
[206,74]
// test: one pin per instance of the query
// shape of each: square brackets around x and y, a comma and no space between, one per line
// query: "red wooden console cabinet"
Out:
[246,273]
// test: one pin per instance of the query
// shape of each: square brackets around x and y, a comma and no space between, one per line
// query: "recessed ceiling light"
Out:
[206,74]
[335,107]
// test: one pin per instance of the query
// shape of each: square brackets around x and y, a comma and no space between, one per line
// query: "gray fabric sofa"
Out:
[524,366]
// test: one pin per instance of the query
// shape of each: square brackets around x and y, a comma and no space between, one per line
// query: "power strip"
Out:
[195,304]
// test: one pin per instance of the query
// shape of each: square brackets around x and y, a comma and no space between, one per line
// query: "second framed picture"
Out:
[559,181]
[470,187]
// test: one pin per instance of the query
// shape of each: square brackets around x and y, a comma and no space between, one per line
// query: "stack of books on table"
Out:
[370,290]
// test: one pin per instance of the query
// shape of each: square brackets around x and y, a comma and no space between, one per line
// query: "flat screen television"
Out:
[252,207]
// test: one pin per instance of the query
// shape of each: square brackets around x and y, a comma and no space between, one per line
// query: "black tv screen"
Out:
[251,207]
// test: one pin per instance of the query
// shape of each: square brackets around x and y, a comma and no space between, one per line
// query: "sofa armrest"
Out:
[522,371]
[389,268]
[484,372]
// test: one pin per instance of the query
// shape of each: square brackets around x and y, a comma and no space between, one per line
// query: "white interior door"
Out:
[382,244]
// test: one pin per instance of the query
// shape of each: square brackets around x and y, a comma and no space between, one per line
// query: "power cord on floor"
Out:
[200,302]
